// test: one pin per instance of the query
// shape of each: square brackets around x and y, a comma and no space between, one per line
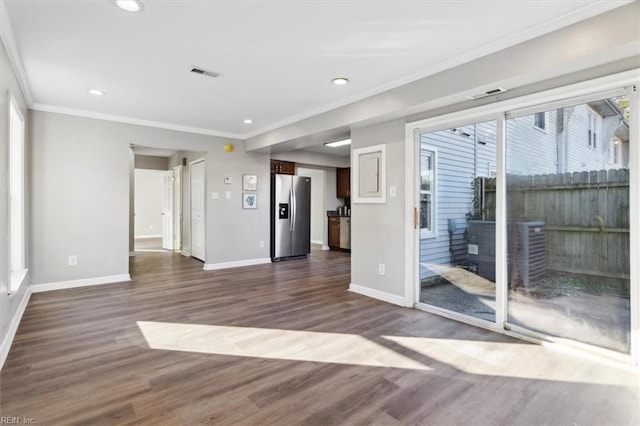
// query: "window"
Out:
[540,120]
[17,267]
[593,127]
[427,192]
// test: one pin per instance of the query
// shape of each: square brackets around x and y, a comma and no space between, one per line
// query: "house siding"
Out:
[530,150]
[459,159]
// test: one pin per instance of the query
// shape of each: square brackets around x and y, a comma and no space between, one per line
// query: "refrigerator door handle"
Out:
[294,207]
[292,213]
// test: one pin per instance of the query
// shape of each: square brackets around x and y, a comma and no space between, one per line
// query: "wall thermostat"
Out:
[228,180]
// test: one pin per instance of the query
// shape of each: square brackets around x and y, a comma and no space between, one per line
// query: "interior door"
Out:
[167,211]
[197,210]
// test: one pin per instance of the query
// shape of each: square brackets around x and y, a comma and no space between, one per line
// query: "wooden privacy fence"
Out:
[586,216]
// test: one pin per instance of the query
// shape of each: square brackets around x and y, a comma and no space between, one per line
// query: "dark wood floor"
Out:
[285,344]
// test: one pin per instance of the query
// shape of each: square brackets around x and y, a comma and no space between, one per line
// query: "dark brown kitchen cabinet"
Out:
[343,182]
[283,167]
[334,232]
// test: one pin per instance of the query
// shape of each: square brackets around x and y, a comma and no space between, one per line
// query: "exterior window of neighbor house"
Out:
[427,187]
[593,128]
[17,266]
[540,120]
[616,152]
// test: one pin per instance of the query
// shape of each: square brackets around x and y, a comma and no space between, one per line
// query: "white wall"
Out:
[151,162]
[80,198]
[81,195]
[10,305]
[377,230]
[149,185]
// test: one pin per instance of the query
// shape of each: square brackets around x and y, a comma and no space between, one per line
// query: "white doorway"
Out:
[197,208]
[151,204]
[177,207]
[318,195]
[167,210]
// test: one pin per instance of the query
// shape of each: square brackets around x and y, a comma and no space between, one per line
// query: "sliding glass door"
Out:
[524,223]
[457,221]
[568,222]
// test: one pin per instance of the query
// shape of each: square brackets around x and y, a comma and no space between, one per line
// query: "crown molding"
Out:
[129,120]
[585,12]
[581,14]
[8,40]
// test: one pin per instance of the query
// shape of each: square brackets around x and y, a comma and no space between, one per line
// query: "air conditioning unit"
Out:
[525,247]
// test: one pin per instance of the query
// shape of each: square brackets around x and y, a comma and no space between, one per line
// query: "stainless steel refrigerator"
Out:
[290,217]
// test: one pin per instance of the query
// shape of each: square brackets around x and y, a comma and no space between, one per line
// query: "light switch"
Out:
[215,196]
[227,195]
[228,180]
[392,191]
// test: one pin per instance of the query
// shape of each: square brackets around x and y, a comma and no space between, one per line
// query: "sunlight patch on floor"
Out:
[504,359]
[336,348]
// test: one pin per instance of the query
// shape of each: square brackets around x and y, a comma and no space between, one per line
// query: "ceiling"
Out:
[276,59]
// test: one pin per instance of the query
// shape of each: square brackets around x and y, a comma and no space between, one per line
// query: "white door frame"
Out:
[177,208]
[204,207]
[168,184]
[497,111]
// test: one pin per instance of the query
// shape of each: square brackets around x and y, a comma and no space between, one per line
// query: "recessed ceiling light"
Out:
[340,81]
[247,121]
[96,92]
[338,143]
[129,5]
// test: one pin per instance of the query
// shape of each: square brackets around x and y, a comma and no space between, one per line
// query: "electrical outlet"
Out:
[381,269]
[261,244]
[227,195]
[73,260]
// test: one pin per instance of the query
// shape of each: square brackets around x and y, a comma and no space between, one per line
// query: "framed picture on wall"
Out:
[249,200]
[249,182]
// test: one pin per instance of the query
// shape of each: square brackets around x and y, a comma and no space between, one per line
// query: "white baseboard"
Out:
[13,327]
[185,253]
[146,237]
[377,294]
[236,264]
[61,285]
[316,242]
[326,248]
[132,254]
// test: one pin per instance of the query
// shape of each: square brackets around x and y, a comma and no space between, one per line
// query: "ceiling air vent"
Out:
[204,72]
[488,93]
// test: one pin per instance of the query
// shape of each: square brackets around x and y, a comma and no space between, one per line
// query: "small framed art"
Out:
[249,200]
[249,182]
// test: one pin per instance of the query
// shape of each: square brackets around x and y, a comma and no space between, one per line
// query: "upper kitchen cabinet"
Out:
[343,182]
[283,167]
